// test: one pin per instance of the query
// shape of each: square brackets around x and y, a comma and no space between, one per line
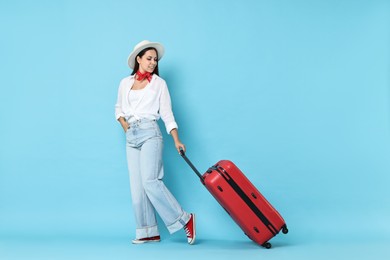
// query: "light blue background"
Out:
[296,93]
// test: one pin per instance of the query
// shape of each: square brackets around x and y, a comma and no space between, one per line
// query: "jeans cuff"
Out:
[180,223]
[146,232]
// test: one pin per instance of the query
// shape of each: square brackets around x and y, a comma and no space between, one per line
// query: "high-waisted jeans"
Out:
[144,146]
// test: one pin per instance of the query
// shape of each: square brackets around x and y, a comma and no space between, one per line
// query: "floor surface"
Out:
[58,248]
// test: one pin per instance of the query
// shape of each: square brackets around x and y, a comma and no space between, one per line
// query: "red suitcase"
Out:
[243,202]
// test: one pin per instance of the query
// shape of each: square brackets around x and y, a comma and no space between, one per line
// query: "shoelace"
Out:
[188,232]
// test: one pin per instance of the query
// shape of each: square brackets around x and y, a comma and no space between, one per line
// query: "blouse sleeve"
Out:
[118,106]
[166,109]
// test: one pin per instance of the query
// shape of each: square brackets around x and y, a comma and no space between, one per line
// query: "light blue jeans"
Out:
[144,146]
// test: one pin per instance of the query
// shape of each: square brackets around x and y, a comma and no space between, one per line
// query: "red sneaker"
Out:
[189,228]
[146,240]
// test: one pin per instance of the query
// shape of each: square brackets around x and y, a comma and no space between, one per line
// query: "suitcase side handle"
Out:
[182,153]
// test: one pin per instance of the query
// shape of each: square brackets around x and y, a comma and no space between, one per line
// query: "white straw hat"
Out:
[141,46]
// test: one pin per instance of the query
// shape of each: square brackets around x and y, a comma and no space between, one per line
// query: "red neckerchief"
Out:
[146,75]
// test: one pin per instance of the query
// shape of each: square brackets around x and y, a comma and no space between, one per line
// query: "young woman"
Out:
[143,98]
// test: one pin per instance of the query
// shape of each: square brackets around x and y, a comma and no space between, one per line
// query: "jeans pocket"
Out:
[157,129]
[130,137]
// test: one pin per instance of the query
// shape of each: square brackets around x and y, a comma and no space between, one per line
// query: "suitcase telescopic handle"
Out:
[182,153]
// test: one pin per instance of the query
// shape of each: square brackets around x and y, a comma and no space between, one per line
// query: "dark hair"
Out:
[136,64]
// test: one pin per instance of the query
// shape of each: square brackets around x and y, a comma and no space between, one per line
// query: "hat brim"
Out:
[135,52]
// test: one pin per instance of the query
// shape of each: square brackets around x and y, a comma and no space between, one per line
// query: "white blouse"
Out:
[135,95]
[153,102]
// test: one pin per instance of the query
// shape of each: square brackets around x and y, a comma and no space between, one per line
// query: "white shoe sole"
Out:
[138,242]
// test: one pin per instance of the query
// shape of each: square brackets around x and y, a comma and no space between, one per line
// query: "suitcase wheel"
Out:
[284,229]
[267,245]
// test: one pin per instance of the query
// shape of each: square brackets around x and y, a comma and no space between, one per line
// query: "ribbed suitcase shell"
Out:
[259,220]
